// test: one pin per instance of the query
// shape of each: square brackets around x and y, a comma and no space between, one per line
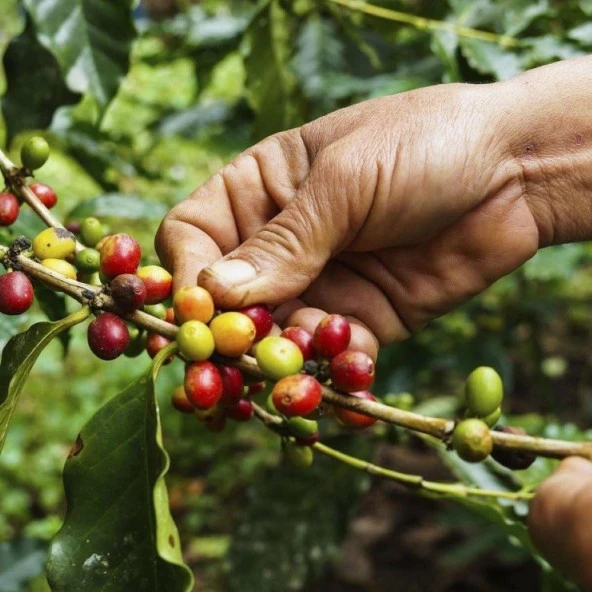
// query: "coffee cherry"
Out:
[484,391]
[241,411]
[91,232]
[203,384]
[493,418]
[331,336]
[34,153]
[302,338]
[128,292]
[261,317]
[516,460]
[158,282]
[16,293]
[232,383]
[88,260]
[270,406]
[195,341]
[137,344]
[102,242]
[73,226]
[472,441]
[180,401]
[47,196]
[156,342]
[156,310]
[216,422]
[297,395]
[278,357]
[309,440]
[108,336]
[352,371]
[256,388]
[120,254]
[356,419]
[233,333]
[170,316]
[300,456]
[92,279]
[54,243]
[193,303]
[9,209]
[60,266]
[303,428]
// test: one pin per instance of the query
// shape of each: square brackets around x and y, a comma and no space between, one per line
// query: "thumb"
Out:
[281,260]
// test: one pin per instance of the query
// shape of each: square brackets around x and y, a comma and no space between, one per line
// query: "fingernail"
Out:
[233,271]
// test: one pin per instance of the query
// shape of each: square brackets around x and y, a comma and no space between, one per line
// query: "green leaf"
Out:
[489,58]
[122,206]
[582,34]
[554,263]
[270,85]
[292,524]
[445,45]
[118,534]
[53,304]
[18,357]
[34,85]
[91,40]
[21,560]
[586,6]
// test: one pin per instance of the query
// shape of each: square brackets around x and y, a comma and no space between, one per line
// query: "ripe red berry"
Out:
[45,193]
[203,384]
[73,226]
[302,338]
[108,336]
[331,336]
[299,394]
[120,254]
[241,411]
[170,316]
[352,371]
[9,209]
[261,317]
[233,384]
[256,388]
[128,291]
[158,281]
[355,419]
[16,293]
[309,440]
[180,401]
[156,342]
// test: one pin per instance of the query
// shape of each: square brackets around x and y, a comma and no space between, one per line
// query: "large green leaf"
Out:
[271,86]
[91,40]
[34,85]
[118,534]
[18,358]
[119,205]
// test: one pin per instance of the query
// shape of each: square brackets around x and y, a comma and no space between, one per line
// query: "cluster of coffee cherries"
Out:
[471,438]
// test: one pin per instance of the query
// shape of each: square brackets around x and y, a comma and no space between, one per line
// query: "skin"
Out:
[396,210]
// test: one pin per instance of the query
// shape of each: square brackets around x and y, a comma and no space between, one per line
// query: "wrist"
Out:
[545,126]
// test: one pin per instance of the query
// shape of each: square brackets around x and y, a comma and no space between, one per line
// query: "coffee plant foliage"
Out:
[140,103]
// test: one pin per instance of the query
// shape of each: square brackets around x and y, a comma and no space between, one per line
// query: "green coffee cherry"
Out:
[299,456]
[404,401]
[88,260]
[493,418]
[156,310]
[472,441]
[34,153]
[270,406]
[303,428]
[484,391]
[91,231]
[137,343]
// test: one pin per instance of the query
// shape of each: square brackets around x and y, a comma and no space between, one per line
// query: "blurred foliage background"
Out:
[141,102]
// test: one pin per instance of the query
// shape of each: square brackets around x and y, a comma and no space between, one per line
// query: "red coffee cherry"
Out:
[156,342]
[241,411]
[108,336]
[180,401]
[73,226]
[120,254]
[261,317]
[203,384]
[355,419]
[128,291]
[47,196]
[299,394]
[332,336]
[256,388]
[16,293]
[302,338]
[233,384]
[9,209]
[158,282]
[352,371]
[170,316]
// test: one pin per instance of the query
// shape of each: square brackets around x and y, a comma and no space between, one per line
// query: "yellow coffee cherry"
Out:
[195,341]
[234,333]
[54,243]
[60,266]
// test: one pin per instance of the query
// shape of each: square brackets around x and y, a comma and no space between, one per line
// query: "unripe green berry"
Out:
[279,357]
[493,418]
[472,441]
[91,231]
[303,428]
[88,260]
[484,391]
[300,456]
[156,310]
[34,153]
[195,341]
[271,408]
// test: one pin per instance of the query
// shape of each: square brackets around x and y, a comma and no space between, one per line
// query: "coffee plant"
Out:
[214,76]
